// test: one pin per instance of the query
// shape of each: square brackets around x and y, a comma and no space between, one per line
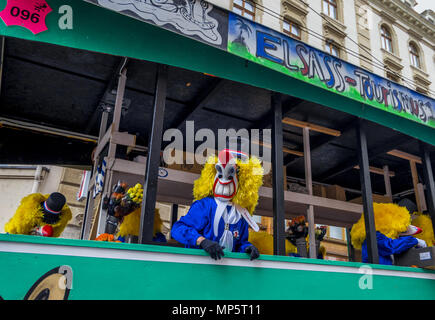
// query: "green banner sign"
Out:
[277,51]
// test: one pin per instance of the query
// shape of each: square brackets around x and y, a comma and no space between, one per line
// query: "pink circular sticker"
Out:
[29,14]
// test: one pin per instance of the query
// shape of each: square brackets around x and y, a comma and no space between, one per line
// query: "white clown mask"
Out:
[226,179]
[225,188]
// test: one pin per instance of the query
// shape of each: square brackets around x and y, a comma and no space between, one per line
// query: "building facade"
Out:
[386,37]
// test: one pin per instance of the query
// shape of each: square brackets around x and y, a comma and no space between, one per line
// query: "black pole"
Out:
[366,188]
[350,249]
[153,159]
[85,216]
[428,181]
[278,176]
[174,213]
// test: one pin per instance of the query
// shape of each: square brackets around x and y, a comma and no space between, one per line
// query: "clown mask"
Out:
[411,231]
[226,179]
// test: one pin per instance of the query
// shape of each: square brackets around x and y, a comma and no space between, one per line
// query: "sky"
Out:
[424,4]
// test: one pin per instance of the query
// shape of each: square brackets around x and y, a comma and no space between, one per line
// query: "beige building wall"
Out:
[14,185]
[18,183]
[405,25]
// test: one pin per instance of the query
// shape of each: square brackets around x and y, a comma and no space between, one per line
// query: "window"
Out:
[257,219]
[330,8]
[336,233]
[414,55]
[386,40]
[332,49]
[292,29]
[244,8]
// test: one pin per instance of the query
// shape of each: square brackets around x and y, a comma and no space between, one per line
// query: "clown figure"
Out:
[226,195]
[394,232]
[42,215]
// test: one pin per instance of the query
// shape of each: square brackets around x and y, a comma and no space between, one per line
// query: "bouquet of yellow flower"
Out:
[135,195]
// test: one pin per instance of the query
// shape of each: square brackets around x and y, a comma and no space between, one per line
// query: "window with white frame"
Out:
[245,8]
[292,29]
[386,39]
[414,55]
[330,8]
[332,49]
[336,233]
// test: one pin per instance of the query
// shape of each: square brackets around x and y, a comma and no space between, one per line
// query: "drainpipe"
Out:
[37,180]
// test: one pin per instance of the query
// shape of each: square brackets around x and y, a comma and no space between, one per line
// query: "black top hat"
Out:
[52,207]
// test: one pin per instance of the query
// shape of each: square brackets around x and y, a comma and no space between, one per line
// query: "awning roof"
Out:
[62,87]
[100,30]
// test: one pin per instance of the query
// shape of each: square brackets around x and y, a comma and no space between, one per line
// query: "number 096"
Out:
[24,14]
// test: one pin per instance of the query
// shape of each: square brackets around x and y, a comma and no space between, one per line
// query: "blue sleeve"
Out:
[188,229]
[244,236]
[159,237]
[388,246]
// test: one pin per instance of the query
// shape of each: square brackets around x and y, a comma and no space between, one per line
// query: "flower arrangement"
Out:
[320,232]
[135,194]
[106,237]
[297,228]
[122,202]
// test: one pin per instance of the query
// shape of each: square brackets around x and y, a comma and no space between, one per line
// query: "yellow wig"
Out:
[250,179]
[263,241]
[390,220]
[424,222]
[131,224]
[322,250]
[29,215]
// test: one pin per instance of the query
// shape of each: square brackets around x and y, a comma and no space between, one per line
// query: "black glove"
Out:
[213,248]
[253,252]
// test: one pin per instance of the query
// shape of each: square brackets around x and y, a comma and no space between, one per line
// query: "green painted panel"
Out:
[116,278]
[101,30]
[99,278]
[25,239]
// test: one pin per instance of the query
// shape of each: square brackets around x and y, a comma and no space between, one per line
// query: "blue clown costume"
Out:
[226,195]
[200,221]
[388,247]
[393,232]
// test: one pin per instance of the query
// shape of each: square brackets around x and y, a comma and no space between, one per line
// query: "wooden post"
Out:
[90,203]
[309,185]
[112,146]
[366,188]
[277,173]
[428,181]
[415,183]
[153,159]
[387,182]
